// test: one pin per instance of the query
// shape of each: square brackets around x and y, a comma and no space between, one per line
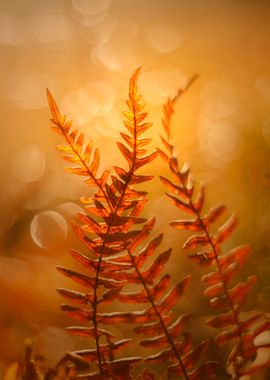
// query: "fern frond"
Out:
[204,247]
[107,229]
[76,152]
[161,330]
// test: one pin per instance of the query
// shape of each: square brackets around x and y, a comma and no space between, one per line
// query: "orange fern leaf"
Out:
[74,149]
[204,247]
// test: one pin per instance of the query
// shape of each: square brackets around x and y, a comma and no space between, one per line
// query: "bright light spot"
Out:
[117,52]
[24,87]
[90,20]
[90,7]
[219,138]
[113,58]
[220,142]
[48,229]
[262,358]
[110,125]
[29,164]
[165,38]
[224,141]
[103,94]
[11,372]
[156,85]
[80,106]
[262,339]
[100,33]
[126,2]
[93,99]
[245,377]
[218,100]
[235,103]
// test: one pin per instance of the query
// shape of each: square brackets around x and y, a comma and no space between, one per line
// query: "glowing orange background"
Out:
[85,52]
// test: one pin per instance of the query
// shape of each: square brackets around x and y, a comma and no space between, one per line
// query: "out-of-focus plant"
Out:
[246,332]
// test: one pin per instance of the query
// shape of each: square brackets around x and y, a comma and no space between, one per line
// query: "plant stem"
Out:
[170,340]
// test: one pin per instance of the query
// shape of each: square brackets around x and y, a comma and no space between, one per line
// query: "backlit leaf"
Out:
[151,273]
[190,225]
[180,204]
[239,291]
[74,296]
[192,357]
[222,320]
[196,241]
[226,229]
[199,201]
[215,213]
[173,296]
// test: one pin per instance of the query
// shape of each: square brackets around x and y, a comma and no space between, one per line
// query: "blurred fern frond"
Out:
[239,329]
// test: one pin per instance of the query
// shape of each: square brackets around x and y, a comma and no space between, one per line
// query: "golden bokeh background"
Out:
[84,51]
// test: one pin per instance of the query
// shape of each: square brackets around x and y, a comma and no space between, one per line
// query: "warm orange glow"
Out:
[85,52]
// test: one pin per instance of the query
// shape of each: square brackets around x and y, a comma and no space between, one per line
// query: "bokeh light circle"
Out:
[220,142]
[90,7]
[69,210]
[48,229]
[217,100]
[159,83]
[80,106]
[165,38]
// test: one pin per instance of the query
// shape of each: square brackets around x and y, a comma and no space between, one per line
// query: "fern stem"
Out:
[235,314]
[229,300]
[94,319]
[191,205]
[216,257]
[113,214]
[213,246]
[84,164]
[170,340]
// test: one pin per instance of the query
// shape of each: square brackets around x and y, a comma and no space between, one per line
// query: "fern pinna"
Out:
[242,329]
[107,230]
